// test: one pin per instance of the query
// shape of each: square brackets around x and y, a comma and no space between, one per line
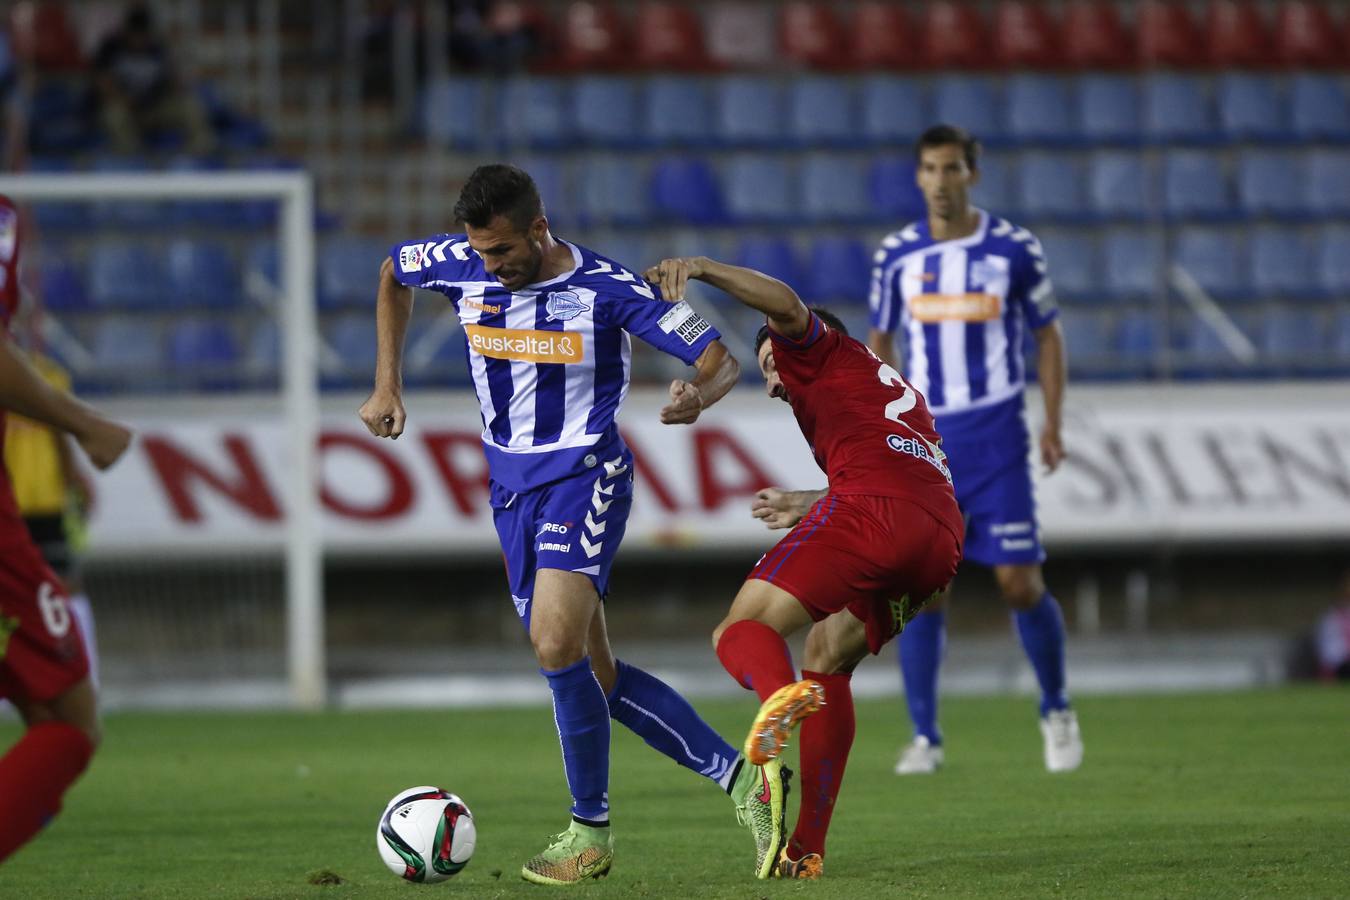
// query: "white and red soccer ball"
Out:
[426,834]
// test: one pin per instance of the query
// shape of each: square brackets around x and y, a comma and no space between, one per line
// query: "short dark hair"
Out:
[825,315]
[946,136]
[499,190]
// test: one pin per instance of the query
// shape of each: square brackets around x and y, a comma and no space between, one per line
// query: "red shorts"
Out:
[881,558]
[41,651]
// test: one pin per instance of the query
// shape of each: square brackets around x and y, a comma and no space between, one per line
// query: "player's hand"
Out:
[383,413]
[104,443]
[776,508]
[686,403]
[1052,448]
[672,275]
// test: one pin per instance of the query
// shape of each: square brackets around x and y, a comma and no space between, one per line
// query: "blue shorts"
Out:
[988,451]
[575,525]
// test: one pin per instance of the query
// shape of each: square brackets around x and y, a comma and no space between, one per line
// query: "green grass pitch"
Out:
[1220,795]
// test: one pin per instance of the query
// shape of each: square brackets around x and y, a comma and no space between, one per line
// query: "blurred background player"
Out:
[43,668]
[882,541]
[548,325]
[966,286]
[53,497]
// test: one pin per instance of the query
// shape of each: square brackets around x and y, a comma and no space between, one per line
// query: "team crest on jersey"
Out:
[565,306]
[989,273]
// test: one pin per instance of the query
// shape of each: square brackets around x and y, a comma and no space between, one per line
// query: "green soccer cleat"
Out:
[760,793]
[579,853]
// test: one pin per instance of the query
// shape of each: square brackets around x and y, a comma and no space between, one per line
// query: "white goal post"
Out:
[306,667]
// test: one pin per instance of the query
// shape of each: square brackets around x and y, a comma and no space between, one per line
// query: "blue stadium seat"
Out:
[1319,107]
[834,189]
[1203,352]
[202,345]
[349,271]
[1293,340]
[202,273]
[972,102]
[353,340]
[137,213]
[1327,188]
[1194,186]
[613,192]
[1141,339]
[1072,257]
[128,347]
[750,111]
[894,109]
[997,189]
[1088,336]
[894,195]
[539,115]
[822,112]
[1340,338]
[840,271]
[1282,264]
[53,215]
[1251,108]
[454,112]
[1120,186]
[1107,109]
[678,112]
[771,255]
[605,111]
[686,191]
[629,248]
[760,189]
[1333,262]
[554,186]
[128,275]
[1270,183]
[1132,262]
[1177,109]
[1215,259]
[262,356]
[62,287]
[1037,110]
[1051,188]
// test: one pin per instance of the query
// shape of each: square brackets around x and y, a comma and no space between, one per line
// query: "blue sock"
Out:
[655,712]
[921,646]
[583,730]
[1041,629]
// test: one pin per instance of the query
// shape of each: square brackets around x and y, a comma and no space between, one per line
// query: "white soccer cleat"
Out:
[1063,741]
[919,757]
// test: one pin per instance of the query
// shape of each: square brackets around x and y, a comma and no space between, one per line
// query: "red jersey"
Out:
[11,525]
[870,431]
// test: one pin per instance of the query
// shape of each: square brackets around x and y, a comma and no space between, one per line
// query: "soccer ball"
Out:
[426,834]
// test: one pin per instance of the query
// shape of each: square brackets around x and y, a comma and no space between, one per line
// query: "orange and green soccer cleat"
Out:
[809,866]
[579,853]
[778,715]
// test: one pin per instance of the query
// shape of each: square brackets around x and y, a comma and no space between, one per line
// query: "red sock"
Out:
[34,774]
[756,656]
[826,738]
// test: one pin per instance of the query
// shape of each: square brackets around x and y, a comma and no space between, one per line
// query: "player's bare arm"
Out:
[718,372]
[383,412]
[27,393]
[778,508]
[882,345]
[780,303]
[1052,366]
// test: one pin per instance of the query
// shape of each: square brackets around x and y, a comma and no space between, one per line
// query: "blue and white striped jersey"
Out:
[550,362]
[965,306]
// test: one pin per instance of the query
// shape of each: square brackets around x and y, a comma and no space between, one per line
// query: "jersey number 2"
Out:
[897,408]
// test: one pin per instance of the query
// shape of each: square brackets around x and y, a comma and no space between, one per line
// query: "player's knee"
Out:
[557,651]
[1022,589]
